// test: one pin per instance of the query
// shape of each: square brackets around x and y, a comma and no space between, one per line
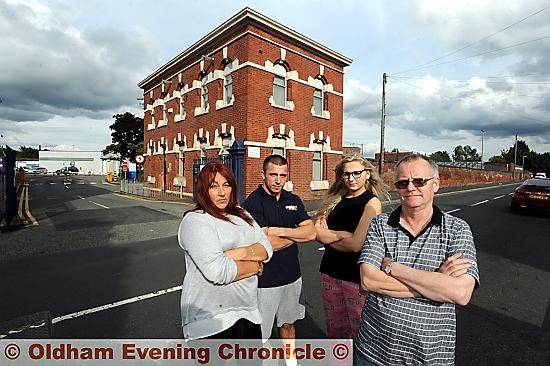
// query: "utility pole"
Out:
[382,126]
[482,132]
[515,157]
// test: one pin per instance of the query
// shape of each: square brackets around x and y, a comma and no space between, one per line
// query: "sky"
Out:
[454,68]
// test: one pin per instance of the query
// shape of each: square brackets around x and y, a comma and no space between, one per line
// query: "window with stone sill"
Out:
[317,166]
[320,103]
[181,115]
[164,120]
[279,150]
[204,93]
[204,155]
[152,125]
[279,85]
[228,85]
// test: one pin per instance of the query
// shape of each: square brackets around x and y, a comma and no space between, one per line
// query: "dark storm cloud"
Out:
[52,69]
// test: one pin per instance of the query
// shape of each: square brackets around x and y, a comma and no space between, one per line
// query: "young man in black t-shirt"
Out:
[283,217]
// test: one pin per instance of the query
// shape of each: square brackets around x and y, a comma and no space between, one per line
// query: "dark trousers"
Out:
[242,329]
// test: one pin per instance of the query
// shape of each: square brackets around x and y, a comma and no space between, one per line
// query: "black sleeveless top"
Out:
[344,216]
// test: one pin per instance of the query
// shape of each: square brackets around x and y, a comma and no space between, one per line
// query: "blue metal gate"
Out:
[8,207]
[234,160]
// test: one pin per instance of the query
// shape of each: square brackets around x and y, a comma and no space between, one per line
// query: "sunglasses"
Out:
[356,174]
[417,182]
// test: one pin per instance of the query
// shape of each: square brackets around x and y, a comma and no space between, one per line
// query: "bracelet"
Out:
[260,269]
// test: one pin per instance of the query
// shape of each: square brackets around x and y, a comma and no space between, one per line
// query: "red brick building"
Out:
[251,84]
[351,150]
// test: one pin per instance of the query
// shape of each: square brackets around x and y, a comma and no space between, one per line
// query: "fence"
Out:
[173,191]
[154,191]
[475,165]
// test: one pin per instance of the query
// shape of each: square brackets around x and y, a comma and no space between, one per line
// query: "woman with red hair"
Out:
[224,253]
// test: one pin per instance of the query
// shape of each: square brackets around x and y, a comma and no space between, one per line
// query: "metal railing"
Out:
[474,165]
[153,191]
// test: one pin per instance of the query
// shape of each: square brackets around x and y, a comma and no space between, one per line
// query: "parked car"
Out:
[540,175]
[67,170]
[531,194]
[30,169]
[40,170]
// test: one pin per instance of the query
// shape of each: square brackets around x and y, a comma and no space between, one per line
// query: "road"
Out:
[107,266]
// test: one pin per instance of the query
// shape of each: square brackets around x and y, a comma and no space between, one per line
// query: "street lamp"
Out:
[181,144]
[163,145]
[482,148]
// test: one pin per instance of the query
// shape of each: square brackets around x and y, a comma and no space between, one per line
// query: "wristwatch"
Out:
[388,267]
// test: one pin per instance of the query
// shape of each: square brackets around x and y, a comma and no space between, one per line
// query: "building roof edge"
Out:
[247,15]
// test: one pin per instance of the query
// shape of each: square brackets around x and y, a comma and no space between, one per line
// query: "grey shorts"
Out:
[284,303]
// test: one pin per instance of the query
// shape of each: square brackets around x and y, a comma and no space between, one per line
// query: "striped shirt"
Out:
[412,331]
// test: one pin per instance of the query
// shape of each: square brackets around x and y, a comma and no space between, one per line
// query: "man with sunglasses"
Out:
[417,263]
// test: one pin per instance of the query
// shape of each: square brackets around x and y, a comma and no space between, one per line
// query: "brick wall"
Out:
[251,115]
[453,176]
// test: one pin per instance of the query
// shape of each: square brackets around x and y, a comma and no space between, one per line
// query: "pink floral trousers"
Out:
[343,302]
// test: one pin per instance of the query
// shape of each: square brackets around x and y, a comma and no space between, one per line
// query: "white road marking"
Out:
[99,204]
[115,304]
[156,293]
[497,197]
[479,203]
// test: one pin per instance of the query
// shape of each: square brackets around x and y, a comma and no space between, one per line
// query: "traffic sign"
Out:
[124,164]
[140,159]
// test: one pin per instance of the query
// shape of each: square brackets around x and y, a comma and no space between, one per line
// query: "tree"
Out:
[127,136]
[440,156]
[458,153]
[522,149]
[535,162]
[497,159]
[466,153]
[27,153]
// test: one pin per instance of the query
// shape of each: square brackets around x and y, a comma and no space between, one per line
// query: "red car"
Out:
[531,194]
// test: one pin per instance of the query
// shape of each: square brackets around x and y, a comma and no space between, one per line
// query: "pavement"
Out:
[174,204]
[313,204]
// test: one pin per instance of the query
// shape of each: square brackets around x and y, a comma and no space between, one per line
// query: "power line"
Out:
[409,84]
[424,65]
[488,81]
[476,55]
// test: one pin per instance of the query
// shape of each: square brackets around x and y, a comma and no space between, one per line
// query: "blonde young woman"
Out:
[342,223]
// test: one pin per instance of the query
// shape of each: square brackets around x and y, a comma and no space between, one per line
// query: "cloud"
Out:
[54,69]
[71,66]
[428,111]
[493,30]
[449,97]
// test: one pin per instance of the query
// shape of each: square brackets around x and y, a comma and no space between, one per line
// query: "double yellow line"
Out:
[24,200]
